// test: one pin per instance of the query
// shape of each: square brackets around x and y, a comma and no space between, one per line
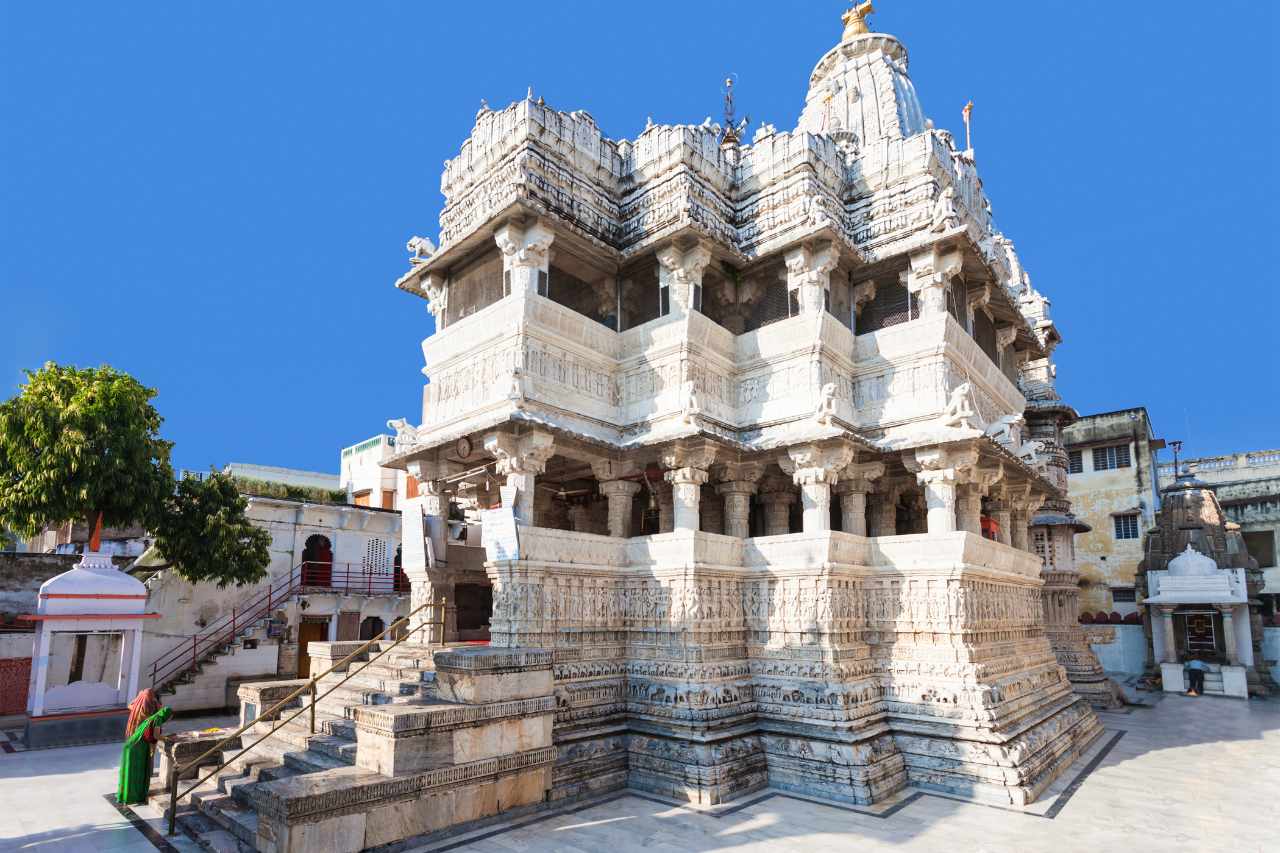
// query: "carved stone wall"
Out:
[812,662]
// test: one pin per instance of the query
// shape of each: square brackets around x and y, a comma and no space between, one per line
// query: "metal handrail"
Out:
[175,770]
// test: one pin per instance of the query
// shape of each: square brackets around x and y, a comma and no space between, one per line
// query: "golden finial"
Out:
[855,20]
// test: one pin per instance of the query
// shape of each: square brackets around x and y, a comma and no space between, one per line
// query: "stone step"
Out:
[231,815]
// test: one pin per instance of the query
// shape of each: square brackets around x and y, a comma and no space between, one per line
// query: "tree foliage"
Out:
[207,537]
[78,442]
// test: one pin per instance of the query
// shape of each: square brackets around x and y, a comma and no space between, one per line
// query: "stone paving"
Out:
[1186,774]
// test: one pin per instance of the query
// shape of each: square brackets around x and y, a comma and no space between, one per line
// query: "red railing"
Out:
[338,577]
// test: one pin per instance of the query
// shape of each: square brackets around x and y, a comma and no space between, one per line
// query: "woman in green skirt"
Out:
[141,733]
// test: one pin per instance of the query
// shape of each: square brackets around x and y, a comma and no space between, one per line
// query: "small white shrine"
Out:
[86,655]
[1212,606]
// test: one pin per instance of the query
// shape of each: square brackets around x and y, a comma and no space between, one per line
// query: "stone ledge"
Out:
[491,660]
[348,790]
[409,720]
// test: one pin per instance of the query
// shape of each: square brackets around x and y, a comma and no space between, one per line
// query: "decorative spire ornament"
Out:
[968,118]
[855,20]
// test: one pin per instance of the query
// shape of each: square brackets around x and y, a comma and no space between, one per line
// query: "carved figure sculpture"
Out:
[945,214]
[689,409]
[1008,431]
[406,433]
[826,404]
[421,249]
[959,411]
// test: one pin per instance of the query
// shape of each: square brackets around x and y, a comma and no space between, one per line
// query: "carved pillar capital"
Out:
[526,254]
[809,271]
[526,454]
[815,463]
[928,276]
[859,477]
[681,271]
[520,459]
[863,293]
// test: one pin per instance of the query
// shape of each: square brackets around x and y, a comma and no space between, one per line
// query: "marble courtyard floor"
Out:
[1186,774]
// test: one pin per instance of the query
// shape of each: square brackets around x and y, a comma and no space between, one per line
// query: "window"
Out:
[1106,458]
[361,498]
[1123,594]
[1126,526]
[1075,462]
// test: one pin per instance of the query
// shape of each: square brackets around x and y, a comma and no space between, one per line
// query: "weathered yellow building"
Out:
[1111,477]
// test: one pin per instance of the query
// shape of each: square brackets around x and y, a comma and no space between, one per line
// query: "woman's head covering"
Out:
[143,705]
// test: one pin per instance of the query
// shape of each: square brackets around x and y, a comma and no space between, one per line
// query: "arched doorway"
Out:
[317,562]
[371,627]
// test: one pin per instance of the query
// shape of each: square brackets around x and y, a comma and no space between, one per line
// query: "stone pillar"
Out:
[969,508]
[521,459]
[884,510]
[1170,640]
[666,508]
[686,495]
[929,275]
[1229,633]
[855,482]
[526,255]
[937,470]
[680,273]
[737,483]
[620,494]
[940,497]
[777,495]
[815,468]
[809,273]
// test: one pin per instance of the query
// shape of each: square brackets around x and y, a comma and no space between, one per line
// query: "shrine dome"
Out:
[94,585]
[1192,562]
[861,88]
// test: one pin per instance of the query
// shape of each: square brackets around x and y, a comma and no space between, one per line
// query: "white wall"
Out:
[1120,648]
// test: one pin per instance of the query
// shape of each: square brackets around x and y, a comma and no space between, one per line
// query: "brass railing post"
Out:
[313,707]
[173,796]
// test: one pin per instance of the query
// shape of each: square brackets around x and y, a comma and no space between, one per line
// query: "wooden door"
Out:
[348,626]
[310,631]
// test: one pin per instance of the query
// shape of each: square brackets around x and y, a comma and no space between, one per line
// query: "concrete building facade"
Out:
[1111,477]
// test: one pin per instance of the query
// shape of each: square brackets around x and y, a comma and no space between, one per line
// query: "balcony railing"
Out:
[349,578]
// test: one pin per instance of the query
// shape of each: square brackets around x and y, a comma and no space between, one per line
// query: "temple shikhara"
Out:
[774,413]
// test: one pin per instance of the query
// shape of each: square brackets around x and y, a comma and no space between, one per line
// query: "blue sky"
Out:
[215,196]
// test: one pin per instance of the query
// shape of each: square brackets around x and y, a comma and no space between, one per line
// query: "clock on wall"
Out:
[463,447]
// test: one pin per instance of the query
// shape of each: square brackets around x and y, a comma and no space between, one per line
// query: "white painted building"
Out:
[364,479]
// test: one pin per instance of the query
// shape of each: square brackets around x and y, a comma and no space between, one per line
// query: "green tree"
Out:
[84,444]
[81,444]
[206,536]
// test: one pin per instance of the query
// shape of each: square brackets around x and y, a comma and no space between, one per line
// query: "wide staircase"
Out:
[219,814]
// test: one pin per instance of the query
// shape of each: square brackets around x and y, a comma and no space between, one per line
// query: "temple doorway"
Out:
[474,607]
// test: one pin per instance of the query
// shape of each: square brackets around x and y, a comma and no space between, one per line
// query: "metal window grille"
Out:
[375,556]
[1107,458]
[1075,462]
[1123,594]
[1126,526]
